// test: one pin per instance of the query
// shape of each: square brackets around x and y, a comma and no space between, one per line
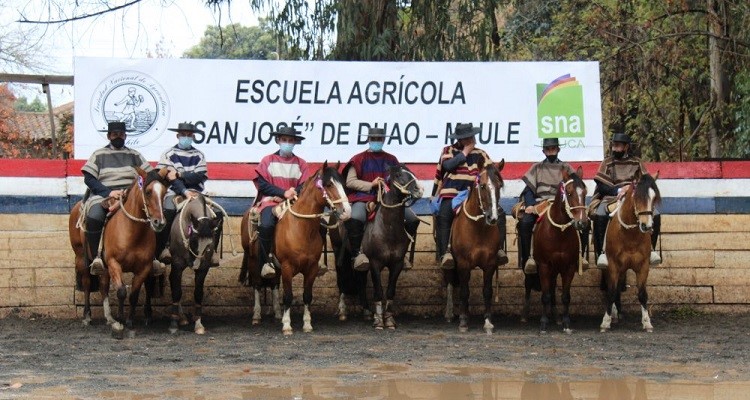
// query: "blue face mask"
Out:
[185,142]
[286,148]
[376,146]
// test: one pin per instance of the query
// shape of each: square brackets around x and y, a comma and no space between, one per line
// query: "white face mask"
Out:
[185,142]
[286,149]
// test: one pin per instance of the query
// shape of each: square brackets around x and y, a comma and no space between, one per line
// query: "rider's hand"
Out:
[468,148]
[115,205]
[191,194]
[529,210]
[116,194]
[290,193]
[171,174]
[375,182]
[620,193]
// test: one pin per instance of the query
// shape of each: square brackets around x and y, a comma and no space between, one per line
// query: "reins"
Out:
[568,209]
[637,214]
[209,210]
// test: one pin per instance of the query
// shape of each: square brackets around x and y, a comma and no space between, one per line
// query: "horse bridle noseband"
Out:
[568,208]
[481,206]
[404,189]
[331,204]
[635,212]
[145,205]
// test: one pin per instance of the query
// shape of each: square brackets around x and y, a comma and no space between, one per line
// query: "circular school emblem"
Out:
[136,99]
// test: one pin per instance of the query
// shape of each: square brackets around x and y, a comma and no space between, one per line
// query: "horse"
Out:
[475,241]
[385,240]
[557,248]
[629,248]
[350,282]
[129,245]
[191,242]
[85,282]
[297,237]
[250,270]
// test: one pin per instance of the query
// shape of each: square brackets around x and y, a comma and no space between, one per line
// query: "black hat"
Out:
[547,142]
[464,131]
[621,138]
[116,126]
[376,132]
[289,131]
[185,126]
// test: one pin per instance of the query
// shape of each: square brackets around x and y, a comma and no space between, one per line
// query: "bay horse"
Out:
[556,247]
[475,241]
[385,240]
[191,243]
[350,282]
[297,238]
[85,282]
[129,245]
[630,248]
[250,269]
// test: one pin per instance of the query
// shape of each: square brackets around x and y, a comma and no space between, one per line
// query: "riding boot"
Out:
[92,240]
[655,258]
[265,239]
[502,256]
[162,238]
[322,266]
[444,222]
[584,234]
[216,256]
[525,234]
[600,232]
[356,231]
[411,229]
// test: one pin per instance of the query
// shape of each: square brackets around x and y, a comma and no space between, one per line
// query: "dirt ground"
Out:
[53,358]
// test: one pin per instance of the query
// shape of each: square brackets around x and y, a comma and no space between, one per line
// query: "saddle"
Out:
[518,209]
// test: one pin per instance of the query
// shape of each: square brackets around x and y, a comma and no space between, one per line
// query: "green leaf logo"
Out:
[560,108]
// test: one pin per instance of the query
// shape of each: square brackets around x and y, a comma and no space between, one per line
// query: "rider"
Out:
[189,164]
[457,170]
[367,170]
[615,172]
[541,181]
[279,177]
[107,173]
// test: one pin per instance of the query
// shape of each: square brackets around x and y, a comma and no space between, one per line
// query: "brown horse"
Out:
[351,283]
[475,241]
[129,244]
[557,247]
[629,248]
[250,270]
[85,282]
[297,238]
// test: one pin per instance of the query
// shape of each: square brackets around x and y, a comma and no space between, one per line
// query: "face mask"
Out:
[286,149]
[117,142]
[618,154]
[376,146]
[185,142]
[551,158]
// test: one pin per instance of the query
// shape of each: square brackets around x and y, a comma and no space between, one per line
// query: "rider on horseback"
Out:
[279,177]
[189,164]
[542,181]
[366,172]
[614,173]
[107,173]
[457,170]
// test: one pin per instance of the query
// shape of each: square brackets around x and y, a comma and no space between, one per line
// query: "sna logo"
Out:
[560,108]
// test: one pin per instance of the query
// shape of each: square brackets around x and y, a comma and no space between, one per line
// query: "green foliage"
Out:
[236,42]
[36,105]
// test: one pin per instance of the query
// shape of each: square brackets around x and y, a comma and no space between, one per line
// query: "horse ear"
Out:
[638,175]
[579,171]
[338,165]
[657,175]
[325,164]
[501,165]
[565,174]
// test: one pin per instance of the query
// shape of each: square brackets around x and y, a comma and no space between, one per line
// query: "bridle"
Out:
[331,204]
[566,206]
[403,189]
[477,185]
[146,220]
[636,213]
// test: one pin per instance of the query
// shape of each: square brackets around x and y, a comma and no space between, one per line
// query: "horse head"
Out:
[401,180]
[203,226]
[488,185]
[332,184]
[573,191]
[645,195]
[153,187]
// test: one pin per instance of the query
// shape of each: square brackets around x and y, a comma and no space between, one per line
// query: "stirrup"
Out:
[530,267]
[361,263]
[407,264]
[447,262]
[502,258]
[267,272]
[157,268]
[584,264]
[602,262]
[215,259]
[165,256]
[322,268]
[655,259]
[96,267]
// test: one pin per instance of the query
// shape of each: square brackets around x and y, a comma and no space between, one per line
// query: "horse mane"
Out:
[492,170]
[644,184]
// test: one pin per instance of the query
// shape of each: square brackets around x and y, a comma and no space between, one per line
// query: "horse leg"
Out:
[617,314]
[530,283]
[134,293]
[464,274]
[200,280]
[612,289]
[307,297]
[553,302]
[547,294]
[286,320]
[388,319]
[489,272]
[276,300]
[342,307]
[150,286]
[449,302]
[641,277]
[257,311]
[175,285]
[361,282]
[86,283]
[377,296]
[104,292]
[567,279]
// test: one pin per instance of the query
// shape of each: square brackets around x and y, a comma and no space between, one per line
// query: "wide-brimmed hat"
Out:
[116,126]
[547,142]
[288,131]
[464,131]
[376,132]
[621,138]
[185,126]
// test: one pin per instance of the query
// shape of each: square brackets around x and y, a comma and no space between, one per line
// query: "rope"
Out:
[229,226]
[122,207]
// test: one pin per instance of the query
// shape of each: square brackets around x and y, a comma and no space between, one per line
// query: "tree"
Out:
[236,42]
[22,104]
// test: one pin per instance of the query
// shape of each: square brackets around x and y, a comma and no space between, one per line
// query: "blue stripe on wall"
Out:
[236,206]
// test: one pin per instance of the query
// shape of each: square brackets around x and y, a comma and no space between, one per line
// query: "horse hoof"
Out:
[543,331]
[131,334]
[649,330]
[118,334]
[173,331]
[524,320]
[488,331]
[183,321]
[287,332]
[200,331]
[463,329]
[256,322]
[568,331]
[307,330]
[342,317]
[86,322]
[603,330]
[380,328]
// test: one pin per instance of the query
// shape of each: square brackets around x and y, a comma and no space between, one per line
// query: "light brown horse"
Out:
[475,241]
[130,242]
[298,242]
[628,246]
[85,282]
[557,244]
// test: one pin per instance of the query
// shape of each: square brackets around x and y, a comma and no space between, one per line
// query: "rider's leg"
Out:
[162,238]
[525,232]
[355,229]
[266,231]
[217,238]
[444,222]
[411,225]
[601,219]
[94,224]
[655,258]
[502,257]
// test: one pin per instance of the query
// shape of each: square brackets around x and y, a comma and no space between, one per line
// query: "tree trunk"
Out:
[717,26]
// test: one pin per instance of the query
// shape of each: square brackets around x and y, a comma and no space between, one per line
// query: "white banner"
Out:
[237,104]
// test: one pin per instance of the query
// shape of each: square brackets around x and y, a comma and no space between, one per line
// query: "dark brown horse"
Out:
[557,244]
[130,242]
[298,242]
[385,241]
[191,242]
[85,282]
[250,270]
[350,282]
[475,241]
[628,246]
